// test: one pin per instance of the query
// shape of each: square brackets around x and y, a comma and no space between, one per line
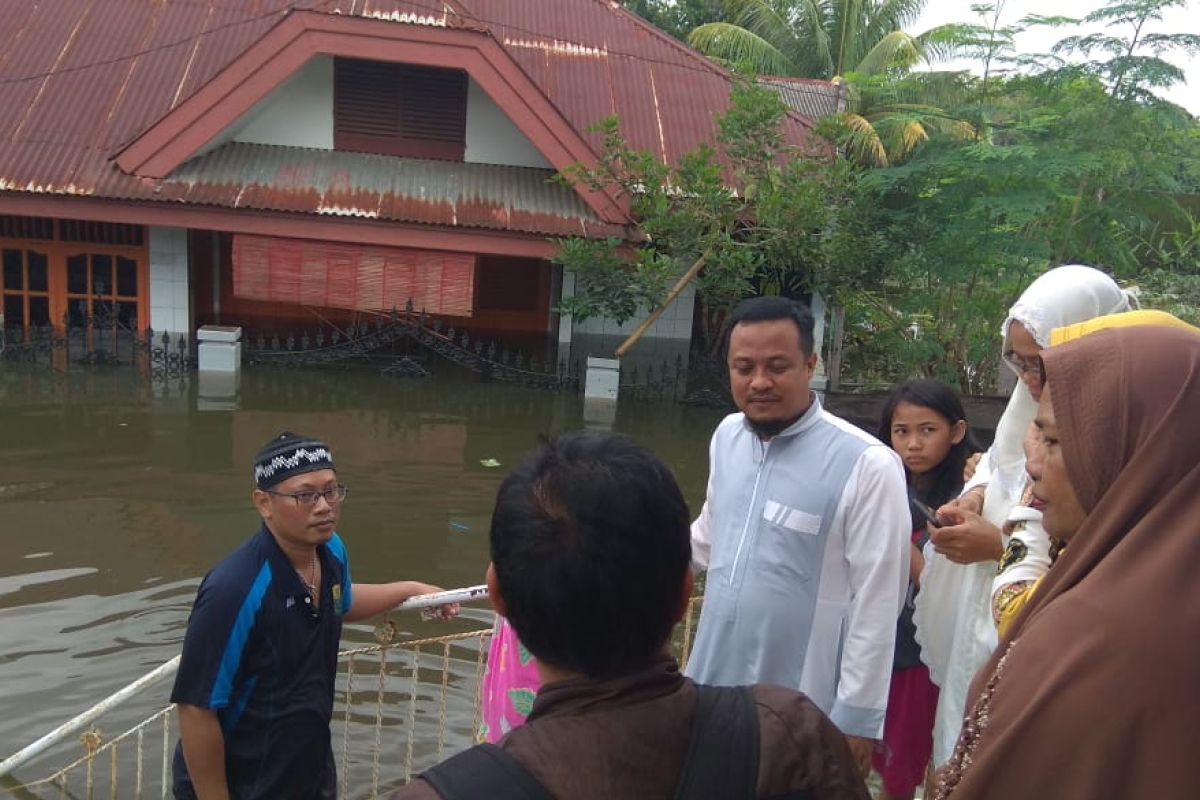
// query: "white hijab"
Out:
[953,617]
[1063,296]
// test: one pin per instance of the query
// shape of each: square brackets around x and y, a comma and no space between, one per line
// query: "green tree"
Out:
[1169,259]
[1133,65]
[814,38]
[676,17]
[1066,163]
[861,43]
[765,219]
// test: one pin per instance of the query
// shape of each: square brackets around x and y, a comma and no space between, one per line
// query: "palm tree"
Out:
[859,42]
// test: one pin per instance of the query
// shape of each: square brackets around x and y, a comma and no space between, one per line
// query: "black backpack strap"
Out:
[722,757]
[484,771]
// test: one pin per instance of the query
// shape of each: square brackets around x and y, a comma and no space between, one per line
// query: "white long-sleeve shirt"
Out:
[805,539]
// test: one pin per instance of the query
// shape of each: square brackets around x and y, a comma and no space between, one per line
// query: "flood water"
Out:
[118,492]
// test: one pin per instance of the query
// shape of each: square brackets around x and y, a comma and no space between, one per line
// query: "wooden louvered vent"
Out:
[399,109]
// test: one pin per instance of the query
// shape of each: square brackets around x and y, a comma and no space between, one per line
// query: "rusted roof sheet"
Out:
[83,78]
[331,183]
[594,59]
[812,98]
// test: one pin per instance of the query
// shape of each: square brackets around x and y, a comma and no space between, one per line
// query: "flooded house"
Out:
[276,165]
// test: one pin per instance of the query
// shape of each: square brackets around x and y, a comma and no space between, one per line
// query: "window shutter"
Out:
[399,109]
[329,275]
[435,104]
[366,99]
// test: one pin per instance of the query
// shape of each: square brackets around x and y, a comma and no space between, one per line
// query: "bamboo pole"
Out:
[692,272]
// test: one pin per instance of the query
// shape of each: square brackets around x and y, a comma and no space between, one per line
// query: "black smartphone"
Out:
[926,512]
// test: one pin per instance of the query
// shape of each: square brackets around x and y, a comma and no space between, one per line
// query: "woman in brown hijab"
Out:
[1095,691]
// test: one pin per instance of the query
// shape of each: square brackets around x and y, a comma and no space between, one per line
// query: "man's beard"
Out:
[770,428]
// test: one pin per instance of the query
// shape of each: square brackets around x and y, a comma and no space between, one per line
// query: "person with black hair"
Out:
[254,691]
[591,565]
[925,423]
[804,533]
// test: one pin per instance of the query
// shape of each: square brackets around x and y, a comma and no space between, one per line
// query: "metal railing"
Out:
[401,706]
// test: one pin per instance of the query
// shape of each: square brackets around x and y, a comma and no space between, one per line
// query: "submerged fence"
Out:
[401,344]
[98,342]
[401,707]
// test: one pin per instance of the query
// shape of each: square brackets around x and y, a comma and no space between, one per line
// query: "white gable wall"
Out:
[492,138]
[299,113]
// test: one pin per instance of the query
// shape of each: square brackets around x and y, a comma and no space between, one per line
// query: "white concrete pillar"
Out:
[603,379]
[820,379]
[170,290]
[566,323]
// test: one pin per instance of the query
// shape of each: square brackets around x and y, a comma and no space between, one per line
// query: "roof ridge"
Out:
[795,79]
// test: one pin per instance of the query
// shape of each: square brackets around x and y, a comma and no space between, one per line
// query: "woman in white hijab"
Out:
[953,610]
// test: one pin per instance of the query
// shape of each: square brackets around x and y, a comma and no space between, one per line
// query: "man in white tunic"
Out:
[804,533]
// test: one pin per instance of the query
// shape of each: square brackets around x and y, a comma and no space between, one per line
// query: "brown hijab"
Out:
[1095,692]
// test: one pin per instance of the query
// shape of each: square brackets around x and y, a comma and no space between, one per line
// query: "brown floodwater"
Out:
[118,492]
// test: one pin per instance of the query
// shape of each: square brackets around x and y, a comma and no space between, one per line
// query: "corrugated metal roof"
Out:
[86,77]
[812,98]
[594,59]
[331,183]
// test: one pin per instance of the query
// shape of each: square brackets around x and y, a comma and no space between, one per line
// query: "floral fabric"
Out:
[509,685]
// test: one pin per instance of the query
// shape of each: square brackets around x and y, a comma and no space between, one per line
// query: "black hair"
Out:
[945,480]
[591,542]
[769,309]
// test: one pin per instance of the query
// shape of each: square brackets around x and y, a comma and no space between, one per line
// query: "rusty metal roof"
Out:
[331,183]
[86,77]
[595,59]
[812,98]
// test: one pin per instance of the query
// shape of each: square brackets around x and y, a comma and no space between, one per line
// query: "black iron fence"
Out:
[406,340]
[97,341]
[402,344]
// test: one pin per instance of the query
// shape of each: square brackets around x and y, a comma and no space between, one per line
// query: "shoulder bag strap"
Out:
[484,771]
[722,757]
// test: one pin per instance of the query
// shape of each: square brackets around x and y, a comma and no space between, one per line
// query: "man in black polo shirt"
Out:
[256,679]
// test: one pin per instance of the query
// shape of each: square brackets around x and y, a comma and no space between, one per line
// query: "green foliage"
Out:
[854,42]
[676,17]
[1170,260]
[766,218]
[1129,70]
[1065,167]
[608,285]
[983,181]
[813,39]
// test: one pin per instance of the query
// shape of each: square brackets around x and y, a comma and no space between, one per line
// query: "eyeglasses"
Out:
[332,496]
[1022,365]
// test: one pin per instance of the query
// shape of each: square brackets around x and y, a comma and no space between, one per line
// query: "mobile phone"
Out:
[926,512]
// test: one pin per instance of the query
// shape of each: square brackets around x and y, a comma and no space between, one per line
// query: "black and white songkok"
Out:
[289,454]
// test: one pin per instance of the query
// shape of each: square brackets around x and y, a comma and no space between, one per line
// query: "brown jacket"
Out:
[627,738]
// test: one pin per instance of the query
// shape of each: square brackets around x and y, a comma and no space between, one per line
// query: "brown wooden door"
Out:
[103,285]
[25,286]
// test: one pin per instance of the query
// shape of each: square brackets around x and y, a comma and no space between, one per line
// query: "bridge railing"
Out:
[401,706]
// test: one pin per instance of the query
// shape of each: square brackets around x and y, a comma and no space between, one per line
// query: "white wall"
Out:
[674,324]
[299,113]
[492,138]
[170,295]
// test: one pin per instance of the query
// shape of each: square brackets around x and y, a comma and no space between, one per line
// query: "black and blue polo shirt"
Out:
[261,655]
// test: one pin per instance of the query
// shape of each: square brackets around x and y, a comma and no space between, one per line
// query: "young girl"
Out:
[924,422]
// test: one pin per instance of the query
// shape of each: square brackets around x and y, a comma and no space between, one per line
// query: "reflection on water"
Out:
[118,494]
